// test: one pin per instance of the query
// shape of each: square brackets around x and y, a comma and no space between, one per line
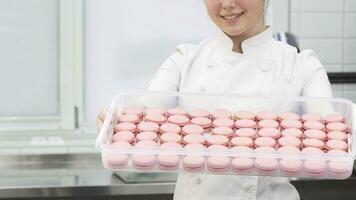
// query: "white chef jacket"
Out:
[266,67]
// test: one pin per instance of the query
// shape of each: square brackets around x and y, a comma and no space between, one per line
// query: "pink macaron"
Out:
[245,123]
[290,166]
[131,118]
[148,127]
[243,114]
[194,163]
[171,137]
[199,113]
[269,132]
[291,123]
[289,141]
[223,122]
[242,164]
[115,160]
[246,132]
[312,117]
[313,143]
[125,126]
[267,123]
[266,166]
[313,125]
[144,161]
[337,166]
[292,132]
[168,162]
[192,129]
[217,140]
[314,167]
[147,136]
[194,139]
[177,111]
[155,110]
[266,115]
[180,120]
[336,126]
[265,141]
[337,135]
[125,136]
[288,116]
[336,117]
[242,141]
[156,118]
[204,122]
[135,110]
[221,113]
[336,145]
[169,128]
[315,134]
[218,163]
[226,131]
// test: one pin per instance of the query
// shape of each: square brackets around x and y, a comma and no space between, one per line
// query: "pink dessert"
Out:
[334,118]
[159,111]
[266,166]
[169,162]
[245,123]
[291,123]
[336,135]
[336,145]
[289,141]
[180,120]
[125,126]
[242,164]
[242,141]
[313,143]
[194,139]
[313,125]
[268,124]
[336,126]
[314,167]
[199,113]
[125,136]
[288,116]
[290,166]
[133,110]
[194,163]
[246,132]
[169,128]
[226,131]
[315,134]
[171,137]
[244,115]
[265,141]
[223,122]
[176,111]
[156,118]
[218,163]
[131,118]
[203,122]
[147,136]
[144,161]
[116,160]
[266,115]
[221,113]
[337,167]
[292,132]
[192,129]
[218,140]
[269,132]
[148,127]
[312,117]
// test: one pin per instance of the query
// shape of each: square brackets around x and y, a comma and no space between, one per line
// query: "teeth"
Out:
[233,16]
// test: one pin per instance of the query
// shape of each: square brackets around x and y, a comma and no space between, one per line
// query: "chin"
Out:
[234,32]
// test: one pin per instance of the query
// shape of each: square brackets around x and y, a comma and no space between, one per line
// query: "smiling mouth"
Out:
[232,17]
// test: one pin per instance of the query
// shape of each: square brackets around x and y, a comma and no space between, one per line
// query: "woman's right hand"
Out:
[100,118]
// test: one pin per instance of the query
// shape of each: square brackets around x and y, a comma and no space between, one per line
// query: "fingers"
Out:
[101,117]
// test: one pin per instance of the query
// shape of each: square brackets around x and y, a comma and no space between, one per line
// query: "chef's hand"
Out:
[100,118]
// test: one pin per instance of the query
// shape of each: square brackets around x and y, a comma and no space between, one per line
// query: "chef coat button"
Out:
[197,181]
[246,186]
[210,66]
[202,89]
[264,68]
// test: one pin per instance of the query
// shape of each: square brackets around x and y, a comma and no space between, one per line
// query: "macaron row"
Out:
[239,160]
[224,113]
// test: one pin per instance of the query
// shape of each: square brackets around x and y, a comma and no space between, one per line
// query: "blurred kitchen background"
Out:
[63,60]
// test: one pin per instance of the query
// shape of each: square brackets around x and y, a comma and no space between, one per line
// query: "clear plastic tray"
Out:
[191,101]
